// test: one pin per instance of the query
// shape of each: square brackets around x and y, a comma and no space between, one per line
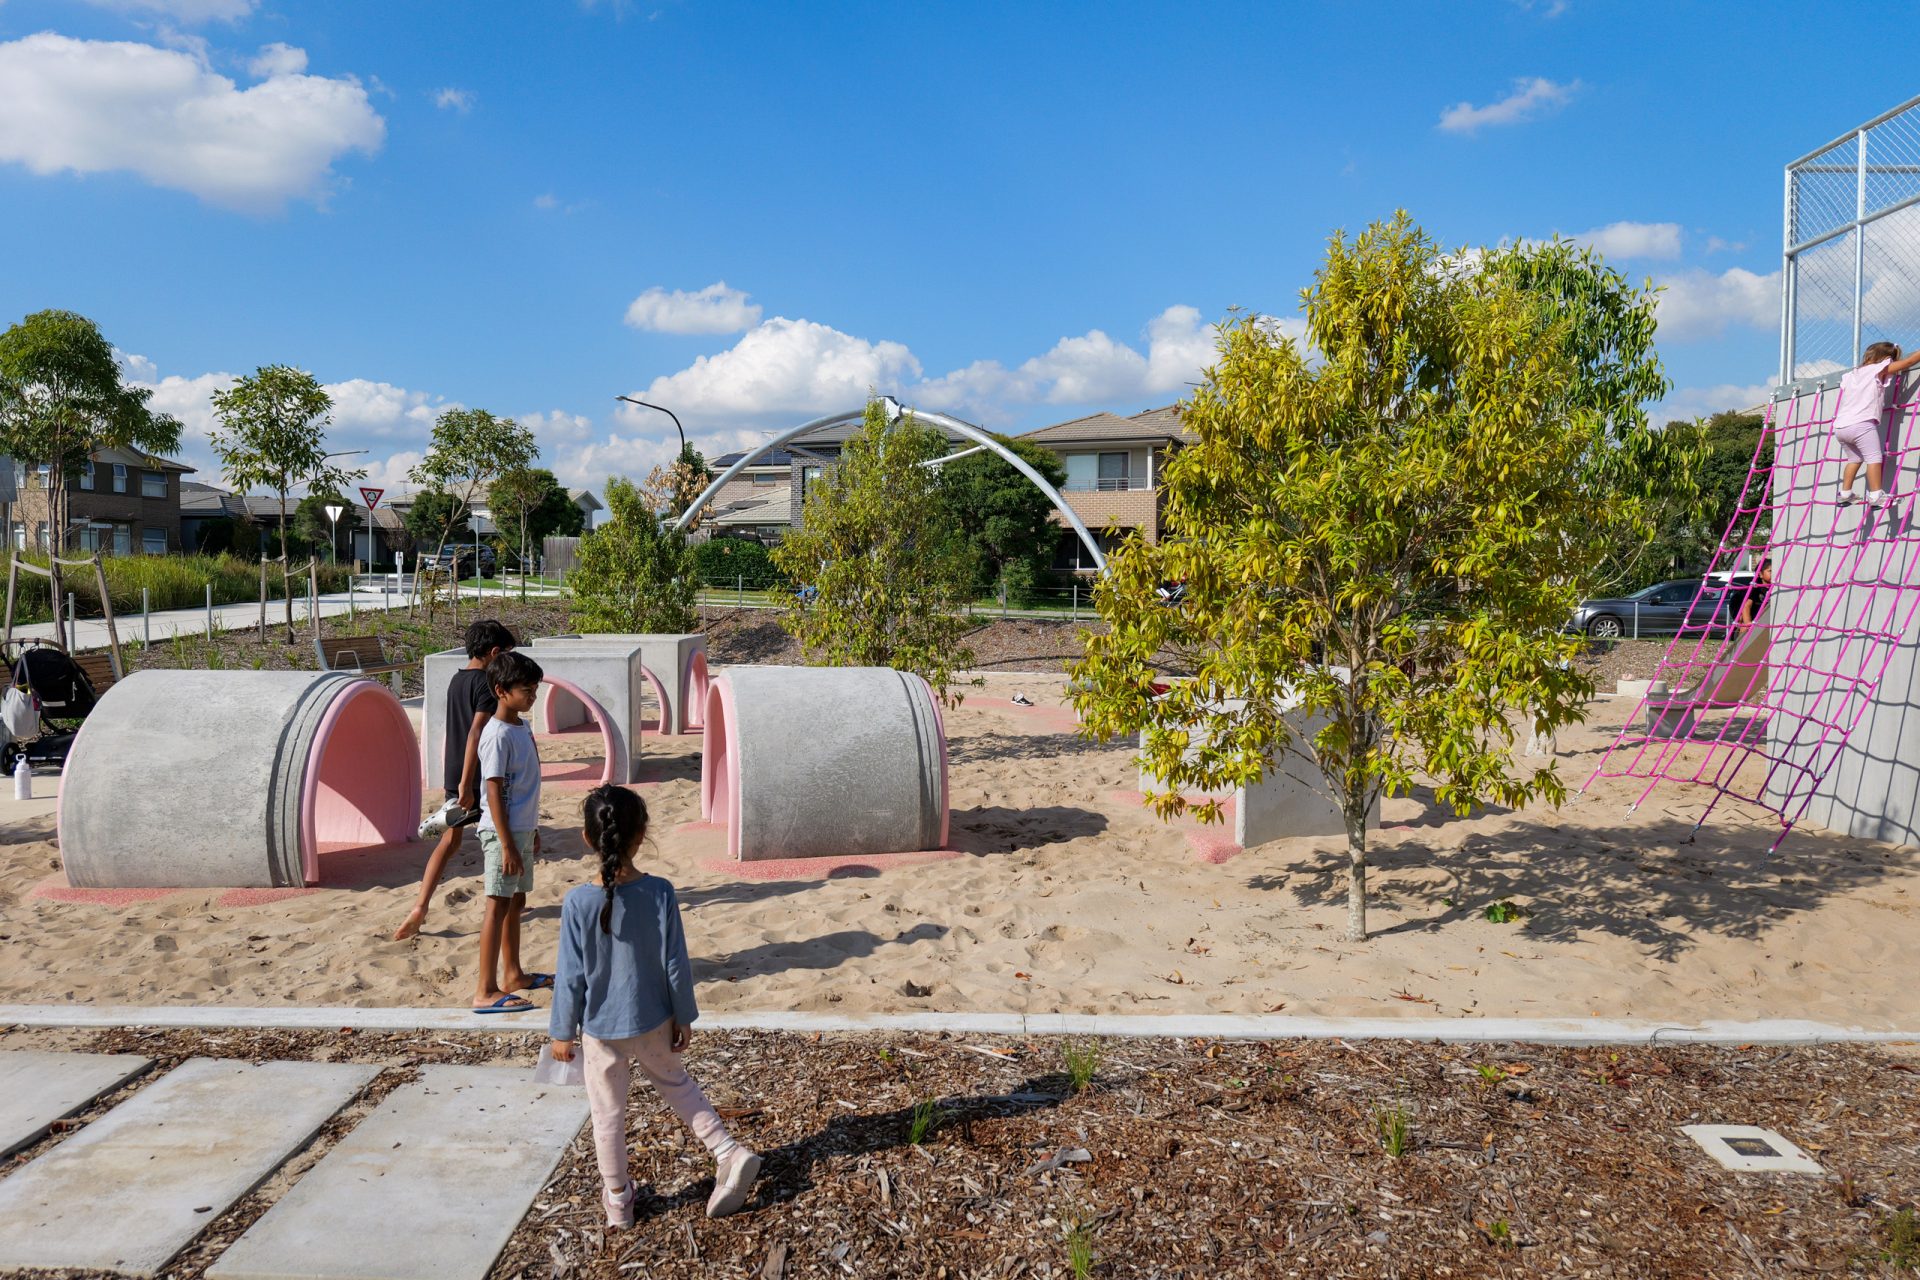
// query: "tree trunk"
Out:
[1356,819]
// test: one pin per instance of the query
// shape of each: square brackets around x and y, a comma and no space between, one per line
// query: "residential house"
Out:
[123,502]
[1113,469]
[201,507]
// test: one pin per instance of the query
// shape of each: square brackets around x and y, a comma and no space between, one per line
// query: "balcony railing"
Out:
[1106,484]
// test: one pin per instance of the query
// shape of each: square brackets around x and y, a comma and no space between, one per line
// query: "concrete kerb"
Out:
[1554,1031]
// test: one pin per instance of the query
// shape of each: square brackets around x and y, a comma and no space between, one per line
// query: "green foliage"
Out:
[635,573]
[1689,526]
[469,448]
[1396,1137]
[1008,522]
[1382,528]
[272,434]
[224,535]
[61,400]
[1902,1231]
[1504,912]
[736,562]
[172,582]
[314,533]
[890,569]
[1078,1238]
[528,504]
[434,514]
[1498,1232]
[1082,1062]
[925,1119]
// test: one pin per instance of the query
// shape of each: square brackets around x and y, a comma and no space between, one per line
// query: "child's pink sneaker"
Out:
[732,1181]
[1877,498]
[619,1208]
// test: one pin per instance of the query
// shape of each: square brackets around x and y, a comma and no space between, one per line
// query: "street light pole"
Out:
[663,409]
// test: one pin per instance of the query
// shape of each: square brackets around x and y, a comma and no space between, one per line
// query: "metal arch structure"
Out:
[971,432]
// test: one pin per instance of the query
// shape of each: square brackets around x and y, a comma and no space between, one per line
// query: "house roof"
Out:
[1151,427]
[773,507]
[773,458]
[206,499]
[141,458]
[585,500]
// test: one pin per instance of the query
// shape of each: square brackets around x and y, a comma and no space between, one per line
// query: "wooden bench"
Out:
[363,655]
[98,669]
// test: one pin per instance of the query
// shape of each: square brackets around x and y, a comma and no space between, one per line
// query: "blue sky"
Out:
[1018,213]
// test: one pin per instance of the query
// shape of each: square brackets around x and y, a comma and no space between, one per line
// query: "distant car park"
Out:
[1678,607]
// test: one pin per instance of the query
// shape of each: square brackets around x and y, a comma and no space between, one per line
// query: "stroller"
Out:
[54,696]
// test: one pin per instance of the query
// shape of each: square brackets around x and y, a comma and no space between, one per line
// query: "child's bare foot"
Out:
[415,918]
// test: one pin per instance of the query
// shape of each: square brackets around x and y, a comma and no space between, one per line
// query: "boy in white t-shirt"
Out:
[509,832]
[1856,421]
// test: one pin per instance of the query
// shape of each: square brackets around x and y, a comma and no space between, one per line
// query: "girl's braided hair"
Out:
[616,821]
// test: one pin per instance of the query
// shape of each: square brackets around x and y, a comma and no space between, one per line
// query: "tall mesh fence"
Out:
[1853,246]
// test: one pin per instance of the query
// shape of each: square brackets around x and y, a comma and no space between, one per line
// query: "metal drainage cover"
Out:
[1745,1148]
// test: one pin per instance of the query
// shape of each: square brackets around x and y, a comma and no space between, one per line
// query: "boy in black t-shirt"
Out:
[470,704]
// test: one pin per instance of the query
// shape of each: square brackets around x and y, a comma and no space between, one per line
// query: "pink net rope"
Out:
[1761,712]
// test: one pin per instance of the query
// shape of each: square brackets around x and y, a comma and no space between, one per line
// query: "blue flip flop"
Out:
[508,1003]
[539,982]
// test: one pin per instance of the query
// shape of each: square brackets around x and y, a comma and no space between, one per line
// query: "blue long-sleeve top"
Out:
[630,980]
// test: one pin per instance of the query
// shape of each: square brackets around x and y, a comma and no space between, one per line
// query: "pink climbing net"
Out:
[1761,712]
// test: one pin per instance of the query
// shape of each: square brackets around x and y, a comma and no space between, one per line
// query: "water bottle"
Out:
[22,779]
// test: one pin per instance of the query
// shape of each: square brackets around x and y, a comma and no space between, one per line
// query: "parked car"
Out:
[1681,606]
[460,559]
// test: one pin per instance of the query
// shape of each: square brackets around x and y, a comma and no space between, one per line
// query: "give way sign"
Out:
[371,497]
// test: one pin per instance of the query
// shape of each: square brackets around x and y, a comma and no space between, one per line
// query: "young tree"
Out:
[671,489]
[469,448]
[1007,521]
[62,400]
[887,564]
[431,511]
[634,572]
[312,528]
[273,433]
[529,505]
[1382,530]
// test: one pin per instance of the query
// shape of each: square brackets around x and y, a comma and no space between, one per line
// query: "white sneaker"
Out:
[1845,497]
[1877,498]
[619,1208]
[732,1181]
[447,815]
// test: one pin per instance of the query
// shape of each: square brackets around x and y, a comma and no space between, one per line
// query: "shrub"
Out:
[172,582]
[735,562]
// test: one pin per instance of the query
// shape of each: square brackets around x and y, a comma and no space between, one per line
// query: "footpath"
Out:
[369,593]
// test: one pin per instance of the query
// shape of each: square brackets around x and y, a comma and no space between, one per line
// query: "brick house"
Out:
[766,499]
[1113,469]
[123,502]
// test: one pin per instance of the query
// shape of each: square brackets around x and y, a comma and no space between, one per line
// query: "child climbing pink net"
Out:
[1858,418]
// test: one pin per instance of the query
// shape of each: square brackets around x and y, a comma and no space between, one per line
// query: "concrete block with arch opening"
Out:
[622,760]
[234,779]
[676,667]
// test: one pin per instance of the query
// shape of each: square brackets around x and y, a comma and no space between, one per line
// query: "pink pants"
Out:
[609,1075]
[1860,442]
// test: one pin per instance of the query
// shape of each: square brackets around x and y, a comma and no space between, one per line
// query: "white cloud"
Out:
[1699,304]
[1686,403]
[277,60]
[714,309]
[450,99]
[1716,245]
[90,106]
[191,12]
[779,369]
[1634,239]
[547,201]
[1531,97]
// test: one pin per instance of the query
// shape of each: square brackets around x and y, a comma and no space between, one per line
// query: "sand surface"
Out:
[1065,896]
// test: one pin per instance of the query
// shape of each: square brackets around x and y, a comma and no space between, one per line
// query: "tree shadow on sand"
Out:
[1628,881]
[990,829]
[828,951]
[985,748]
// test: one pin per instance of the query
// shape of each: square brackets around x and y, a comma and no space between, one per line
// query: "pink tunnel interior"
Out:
[566,706]
[697,683]
[720,764]
[573,701]
[362,784]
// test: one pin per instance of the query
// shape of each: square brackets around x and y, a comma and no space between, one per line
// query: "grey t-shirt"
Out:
[507,752]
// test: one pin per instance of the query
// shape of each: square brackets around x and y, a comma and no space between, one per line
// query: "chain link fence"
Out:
[1852,264]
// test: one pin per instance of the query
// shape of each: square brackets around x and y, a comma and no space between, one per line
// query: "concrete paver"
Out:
[428,1187]
[133,1188]
[38,1088]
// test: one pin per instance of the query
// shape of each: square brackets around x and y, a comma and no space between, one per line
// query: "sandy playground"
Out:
[1062,894]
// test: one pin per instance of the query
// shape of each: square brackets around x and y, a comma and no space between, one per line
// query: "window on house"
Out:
[123,539]
[153,484]
[153,541]
[40,532]
[86,475]
[43,470]
[119,477]
[807,476]
[86,538]
[1113,470]
[766,479]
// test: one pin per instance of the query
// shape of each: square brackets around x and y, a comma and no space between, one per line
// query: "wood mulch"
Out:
[1184,1158]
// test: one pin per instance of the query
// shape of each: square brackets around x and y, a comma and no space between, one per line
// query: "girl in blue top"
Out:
[623,985]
